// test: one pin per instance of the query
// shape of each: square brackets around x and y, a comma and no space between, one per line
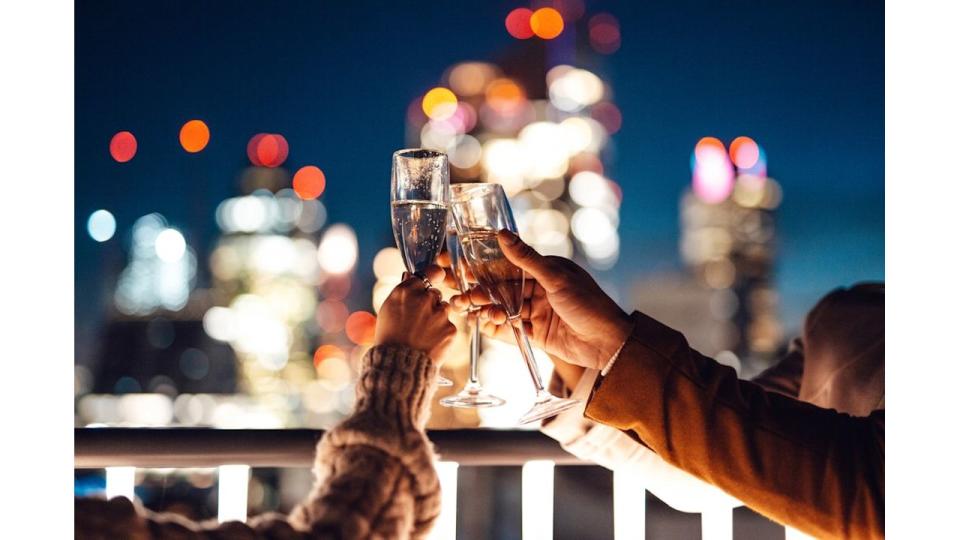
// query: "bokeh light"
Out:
[325,352]
[466,153]
[267,150]
[388,264]
[546,23]
[439,103]
[505,96]
[604,33]
[361,327]
[170,245]
[309,182]
[338,249]
[123,146]
[572,89]
[518,23]
[744,152]
[608,115]
[194,136]
[470,78]
[101,225]
[708,148]
[713,173]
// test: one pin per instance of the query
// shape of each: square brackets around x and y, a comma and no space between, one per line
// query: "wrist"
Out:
[396,383]
[615,332]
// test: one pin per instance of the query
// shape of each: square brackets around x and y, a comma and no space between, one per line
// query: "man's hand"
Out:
[565,312]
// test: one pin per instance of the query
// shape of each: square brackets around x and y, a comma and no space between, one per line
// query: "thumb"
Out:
[527,258]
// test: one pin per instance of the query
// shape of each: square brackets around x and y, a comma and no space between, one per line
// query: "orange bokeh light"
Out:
[123,146]
[504,95]
[327,351]
[361,327]
[546,23]
[744,152]
[439,103]
[707,147]
[309,182]
[194,136]
[518,23]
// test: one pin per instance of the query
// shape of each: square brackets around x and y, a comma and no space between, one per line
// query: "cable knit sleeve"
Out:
[375,473]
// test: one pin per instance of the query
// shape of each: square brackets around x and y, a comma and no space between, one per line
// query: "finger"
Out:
[434,275]
[450,280]
[436,295]
[527,258]
[444,259]
[494,314]
[459,302]
[478,297]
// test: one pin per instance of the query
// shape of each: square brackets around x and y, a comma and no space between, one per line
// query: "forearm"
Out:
[815,469]
[375,474]
[613,449]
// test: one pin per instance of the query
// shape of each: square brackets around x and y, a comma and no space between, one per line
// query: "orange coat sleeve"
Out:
[814,469]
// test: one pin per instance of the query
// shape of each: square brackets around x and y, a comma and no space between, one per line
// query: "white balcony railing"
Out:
[233,452]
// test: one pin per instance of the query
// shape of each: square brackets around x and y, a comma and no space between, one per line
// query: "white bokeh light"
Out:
[338,249]
[101,225]
[170,245]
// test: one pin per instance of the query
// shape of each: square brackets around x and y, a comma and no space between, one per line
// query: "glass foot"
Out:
[547,405]
[443,381]
[472,398]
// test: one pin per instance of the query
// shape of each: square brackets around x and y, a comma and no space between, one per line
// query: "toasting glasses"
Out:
[479,211]
[472,395]
[419,185]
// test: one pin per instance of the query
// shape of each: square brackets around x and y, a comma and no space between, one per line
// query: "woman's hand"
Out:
[415,316]
[565,312]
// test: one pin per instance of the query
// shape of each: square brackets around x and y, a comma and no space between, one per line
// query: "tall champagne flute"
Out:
[480,211]
[419,185]
[473,395]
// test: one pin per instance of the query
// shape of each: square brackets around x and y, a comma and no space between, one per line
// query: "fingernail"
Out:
[508,237]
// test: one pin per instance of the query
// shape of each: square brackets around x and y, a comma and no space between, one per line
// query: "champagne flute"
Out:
[480,211]
[473,395]
[419,182]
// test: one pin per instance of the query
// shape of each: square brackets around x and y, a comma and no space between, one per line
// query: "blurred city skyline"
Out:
[805,81]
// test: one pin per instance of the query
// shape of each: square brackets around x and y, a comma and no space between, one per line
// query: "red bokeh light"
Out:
[361,327]
[123,146]
[309,182]
[608,115]
[267,150]
[518,23]
[604,33]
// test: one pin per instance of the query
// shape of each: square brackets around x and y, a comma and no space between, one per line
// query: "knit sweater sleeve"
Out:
[374,472]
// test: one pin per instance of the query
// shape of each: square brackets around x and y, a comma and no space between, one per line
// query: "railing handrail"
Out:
[209,447]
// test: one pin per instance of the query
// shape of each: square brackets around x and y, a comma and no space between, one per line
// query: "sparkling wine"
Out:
[456,259]
[419,228]
[502,280]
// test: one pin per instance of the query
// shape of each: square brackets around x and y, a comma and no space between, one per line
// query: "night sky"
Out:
[805,79]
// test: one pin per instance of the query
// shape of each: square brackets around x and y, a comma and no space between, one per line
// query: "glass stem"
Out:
[516,324]
[474,349]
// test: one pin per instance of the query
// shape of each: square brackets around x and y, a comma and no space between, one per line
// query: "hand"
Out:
[565,312]
[414,316]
